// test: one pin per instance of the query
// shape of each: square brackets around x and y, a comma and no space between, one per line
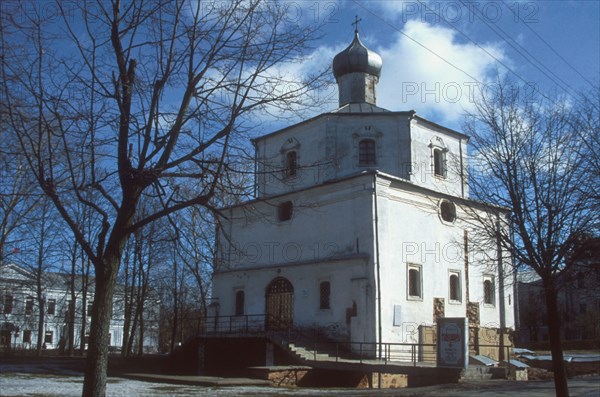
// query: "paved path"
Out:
[197,380]
[21,384]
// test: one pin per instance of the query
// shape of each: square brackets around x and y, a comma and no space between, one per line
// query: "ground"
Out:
[47,380]
[19,384]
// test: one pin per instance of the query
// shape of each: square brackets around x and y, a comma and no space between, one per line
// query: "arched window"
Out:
[291,164]
[454,287]
[325,295]
[239,303]
[488,291]
[414,282]
[366,152]
[439,162]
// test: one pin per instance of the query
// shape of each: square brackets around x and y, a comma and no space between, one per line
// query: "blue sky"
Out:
[436,53]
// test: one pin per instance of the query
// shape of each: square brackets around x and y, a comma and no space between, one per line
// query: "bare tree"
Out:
[44,241]
[586,119]
[146,251]
[108,100]
[529,160]
[18,195]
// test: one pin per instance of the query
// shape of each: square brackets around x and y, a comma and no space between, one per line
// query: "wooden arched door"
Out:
[279,300]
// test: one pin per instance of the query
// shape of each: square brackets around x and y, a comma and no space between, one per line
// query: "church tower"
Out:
[357,70]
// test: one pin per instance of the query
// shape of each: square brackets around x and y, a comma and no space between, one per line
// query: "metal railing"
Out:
[312,344]
[244,325]
[372,352]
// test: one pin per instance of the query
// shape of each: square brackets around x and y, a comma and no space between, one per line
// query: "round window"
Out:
[447,211]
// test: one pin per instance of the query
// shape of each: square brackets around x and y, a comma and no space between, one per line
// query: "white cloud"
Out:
[425,80]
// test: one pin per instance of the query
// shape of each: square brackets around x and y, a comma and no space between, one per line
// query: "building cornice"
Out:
[329,260]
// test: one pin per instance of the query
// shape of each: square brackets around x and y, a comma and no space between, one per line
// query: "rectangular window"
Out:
[27,336]
[89,310]
[29,304]
[324,295]
[52,306]
[285,210]
[366,152]
[239,303]
[8,304]
[489,292]
[455,293]
[49,337]
[414,282]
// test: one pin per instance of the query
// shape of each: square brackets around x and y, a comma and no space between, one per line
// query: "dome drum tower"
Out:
[357,70]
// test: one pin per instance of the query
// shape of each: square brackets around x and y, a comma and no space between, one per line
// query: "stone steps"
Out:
[307,354]
[476,373]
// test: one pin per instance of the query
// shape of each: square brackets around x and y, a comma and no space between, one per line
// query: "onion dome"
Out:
[357,58]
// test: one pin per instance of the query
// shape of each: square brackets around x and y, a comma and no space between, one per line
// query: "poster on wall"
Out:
[452,342]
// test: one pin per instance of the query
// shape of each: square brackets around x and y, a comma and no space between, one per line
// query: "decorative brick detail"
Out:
[439,308]
[287,378]
[473,313]
[390,381]
[473,340]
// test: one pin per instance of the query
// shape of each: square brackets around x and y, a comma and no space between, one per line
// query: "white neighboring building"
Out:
[360,225]
[19,311]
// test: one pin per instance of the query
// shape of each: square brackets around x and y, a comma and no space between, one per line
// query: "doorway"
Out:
[279,300]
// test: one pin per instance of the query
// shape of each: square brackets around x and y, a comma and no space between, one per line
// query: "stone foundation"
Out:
[389,381]
[280,376]
[293,376]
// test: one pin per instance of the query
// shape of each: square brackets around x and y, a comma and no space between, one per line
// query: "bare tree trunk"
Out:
[41,333]
[126,307]
[141,337]
[175,319]
[39,285]
[139,316]
[82,332]
[96,365]
[85,272]
[141,305]
[73,306]
[175,292]
[558,363]
[134,327]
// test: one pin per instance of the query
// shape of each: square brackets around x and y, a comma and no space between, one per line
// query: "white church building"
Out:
[362,226]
